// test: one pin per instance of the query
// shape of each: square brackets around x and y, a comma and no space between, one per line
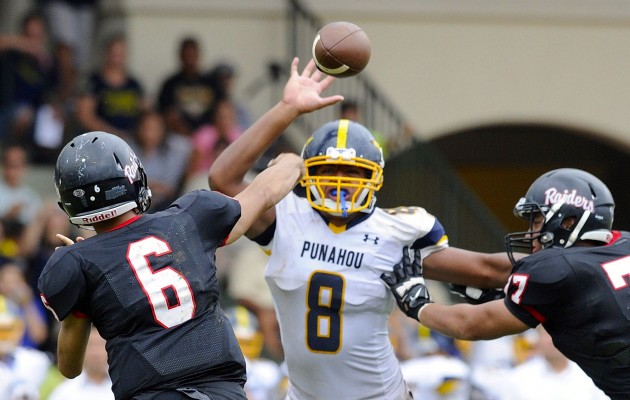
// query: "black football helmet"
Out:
[558,195]
[99,177]
[343,142]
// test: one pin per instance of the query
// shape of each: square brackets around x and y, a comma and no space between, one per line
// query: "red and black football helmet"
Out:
[99,177]
[558,195]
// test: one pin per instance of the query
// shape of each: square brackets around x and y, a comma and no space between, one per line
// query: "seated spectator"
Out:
[22,370]
[213,137]
[94,382]
[165,157]
[113,99]
[187,98]
[264,376]
[548,375]
[30,309]
[24,70]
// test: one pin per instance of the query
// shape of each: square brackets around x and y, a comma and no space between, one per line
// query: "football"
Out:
[341,49]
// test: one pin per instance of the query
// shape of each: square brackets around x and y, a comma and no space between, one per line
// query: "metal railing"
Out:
[416,173]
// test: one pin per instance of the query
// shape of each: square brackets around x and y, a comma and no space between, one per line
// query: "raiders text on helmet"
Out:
[558,195]
[98,177]
[343,142]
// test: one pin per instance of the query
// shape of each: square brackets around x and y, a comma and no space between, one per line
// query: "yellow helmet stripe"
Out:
[342,133]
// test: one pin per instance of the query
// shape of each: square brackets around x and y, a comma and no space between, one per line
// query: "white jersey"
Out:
[332,307]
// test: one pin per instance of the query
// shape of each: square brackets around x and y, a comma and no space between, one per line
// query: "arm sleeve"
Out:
[62,285]
[215,214]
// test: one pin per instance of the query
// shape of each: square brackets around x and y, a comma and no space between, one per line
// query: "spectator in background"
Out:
[14,287]
[113,99]
[247,287]
[72,24]
[25,64]
[187,97]
[350,109]
[165,156]
[94,382]
[22,370]
[210,140]
[19,203]
[224,77]
[264,376]
[56,119]
[548,375]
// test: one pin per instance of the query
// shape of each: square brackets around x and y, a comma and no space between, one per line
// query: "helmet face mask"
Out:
[342,144]
[98,177]
[569,205]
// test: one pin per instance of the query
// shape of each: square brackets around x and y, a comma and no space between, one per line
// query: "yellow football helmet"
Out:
[248,334]
[347,143]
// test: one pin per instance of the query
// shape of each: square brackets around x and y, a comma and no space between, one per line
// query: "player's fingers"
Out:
[294,66]
[80,238]
[317,76]
[327,101]
[64,239]
[310,67]
[326,82]
[400,273]
[388,279]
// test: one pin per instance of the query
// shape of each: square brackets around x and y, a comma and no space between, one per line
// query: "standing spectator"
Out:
[148,282]
[165,157]
[72,23]
[187,98]
[113,99]
[19,203]
[56,117]
[22,370]
[94,382]
[25,64]
[224,77]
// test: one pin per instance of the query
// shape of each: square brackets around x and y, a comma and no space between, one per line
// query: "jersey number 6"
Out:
[156,283]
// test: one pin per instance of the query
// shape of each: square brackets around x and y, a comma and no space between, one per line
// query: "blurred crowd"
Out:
[57,82]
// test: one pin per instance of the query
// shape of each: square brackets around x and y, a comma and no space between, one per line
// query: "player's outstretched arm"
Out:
[302,94]
[265,191]
[461,321]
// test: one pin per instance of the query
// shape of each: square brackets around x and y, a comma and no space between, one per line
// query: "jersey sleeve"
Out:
[62,285]
[433,238]
[536,287]
[214,213]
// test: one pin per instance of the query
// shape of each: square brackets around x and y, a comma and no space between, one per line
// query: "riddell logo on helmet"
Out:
[552,196]
[100,217]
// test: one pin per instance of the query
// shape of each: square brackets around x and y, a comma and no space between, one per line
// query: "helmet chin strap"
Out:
[577,229]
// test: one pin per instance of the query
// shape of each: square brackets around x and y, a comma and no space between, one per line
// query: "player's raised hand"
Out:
[66,241]
[407,284]
[303,91]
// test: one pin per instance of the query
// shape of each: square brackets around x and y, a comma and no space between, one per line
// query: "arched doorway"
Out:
[499,162]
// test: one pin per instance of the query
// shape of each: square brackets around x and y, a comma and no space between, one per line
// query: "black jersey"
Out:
[581,295]
[150,288]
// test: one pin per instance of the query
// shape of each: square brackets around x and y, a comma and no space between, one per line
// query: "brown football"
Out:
[341,49]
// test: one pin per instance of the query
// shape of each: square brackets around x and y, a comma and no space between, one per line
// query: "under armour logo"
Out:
[374,239]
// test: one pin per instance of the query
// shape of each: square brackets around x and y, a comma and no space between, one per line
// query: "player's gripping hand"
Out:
[407,284]
[475,295]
